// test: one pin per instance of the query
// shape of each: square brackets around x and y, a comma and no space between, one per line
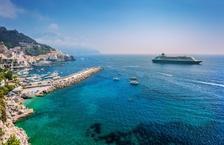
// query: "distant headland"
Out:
[20,51]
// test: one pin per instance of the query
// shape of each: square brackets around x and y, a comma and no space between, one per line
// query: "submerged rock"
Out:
[173,133]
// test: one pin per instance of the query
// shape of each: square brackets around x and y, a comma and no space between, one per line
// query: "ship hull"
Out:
[175,62]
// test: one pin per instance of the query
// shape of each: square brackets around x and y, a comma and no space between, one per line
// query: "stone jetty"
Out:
[45,86]
[75,78]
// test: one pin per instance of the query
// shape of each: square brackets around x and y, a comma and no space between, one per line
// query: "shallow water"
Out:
[179,104]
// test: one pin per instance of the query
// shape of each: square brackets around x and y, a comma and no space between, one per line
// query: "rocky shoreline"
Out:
[16,110]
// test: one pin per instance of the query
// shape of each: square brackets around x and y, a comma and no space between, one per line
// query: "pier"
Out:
[75,78]
[45,86]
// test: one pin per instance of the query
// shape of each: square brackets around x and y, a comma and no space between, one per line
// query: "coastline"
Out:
[16,110]
[46,86]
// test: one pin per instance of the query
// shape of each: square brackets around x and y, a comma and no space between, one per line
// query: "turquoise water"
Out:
[174,104]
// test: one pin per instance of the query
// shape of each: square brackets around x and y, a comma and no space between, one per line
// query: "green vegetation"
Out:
[36,50]
[12,141]
[13,38]
[1,132]
[4,90]
[6,74]
[2,109]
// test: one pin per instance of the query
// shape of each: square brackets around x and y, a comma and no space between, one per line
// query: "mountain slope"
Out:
[13,38]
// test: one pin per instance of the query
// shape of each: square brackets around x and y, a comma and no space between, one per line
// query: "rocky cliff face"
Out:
[10,129]
[14,110]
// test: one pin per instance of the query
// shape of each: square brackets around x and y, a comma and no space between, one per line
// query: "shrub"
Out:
[3,116]
[1,94]
[5,90]
[10,87]
[9,75]
[12,141]
[1,132]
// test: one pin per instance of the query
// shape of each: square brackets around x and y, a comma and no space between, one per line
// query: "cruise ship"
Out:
[175,59]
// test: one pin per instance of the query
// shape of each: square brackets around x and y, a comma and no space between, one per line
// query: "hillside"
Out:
[13,38]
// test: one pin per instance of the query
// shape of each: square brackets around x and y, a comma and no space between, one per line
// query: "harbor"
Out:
[39,88]
[34,85]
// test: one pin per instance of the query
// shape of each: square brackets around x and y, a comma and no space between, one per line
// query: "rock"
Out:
[15,110]
[10,129]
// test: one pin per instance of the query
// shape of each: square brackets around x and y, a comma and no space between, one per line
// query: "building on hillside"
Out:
[13,62]
[13,58]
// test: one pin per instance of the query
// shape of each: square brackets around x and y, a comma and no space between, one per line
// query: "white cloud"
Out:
[59,41]
[55,38]
[53,27]
[38,16]
[8,9]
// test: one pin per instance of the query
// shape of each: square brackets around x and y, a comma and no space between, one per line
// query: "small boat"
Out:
[23,73]
[116,79]
[133,81]
[54,74]
[132,78]
[56,77]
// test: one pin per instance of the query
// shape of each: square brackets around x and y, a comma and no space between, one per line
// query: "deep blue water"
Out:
[174,104]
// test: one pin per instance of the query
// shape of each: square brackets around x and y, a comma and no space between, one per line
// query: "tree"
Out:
[9,75]
[3,116]
[1,132]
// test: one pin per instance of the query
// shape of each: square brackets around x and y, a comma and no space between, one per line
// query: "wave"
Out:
[208,83]
[109,66]
[165,74]
[132,66]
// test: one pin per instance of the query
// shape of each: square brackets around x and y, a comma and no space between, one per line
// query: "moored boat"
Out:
[134,82]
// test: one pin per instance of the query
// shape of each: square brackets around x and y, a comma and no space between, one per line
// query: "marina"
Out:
[54,81]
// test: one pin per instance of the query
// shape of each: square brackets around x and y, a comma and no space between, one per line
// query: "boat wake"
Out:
[208,83]
[132,66]
[165,74]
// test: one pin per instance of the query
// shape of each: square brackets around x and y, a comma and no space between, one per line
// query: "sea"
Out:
[172,105]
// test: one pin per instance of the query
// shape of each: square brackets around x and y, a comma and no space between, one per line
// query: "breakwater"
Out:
[75,78]
[45,86]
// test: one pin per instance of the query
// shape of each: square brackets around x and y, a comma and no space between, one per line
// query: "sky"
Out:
[121,26]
